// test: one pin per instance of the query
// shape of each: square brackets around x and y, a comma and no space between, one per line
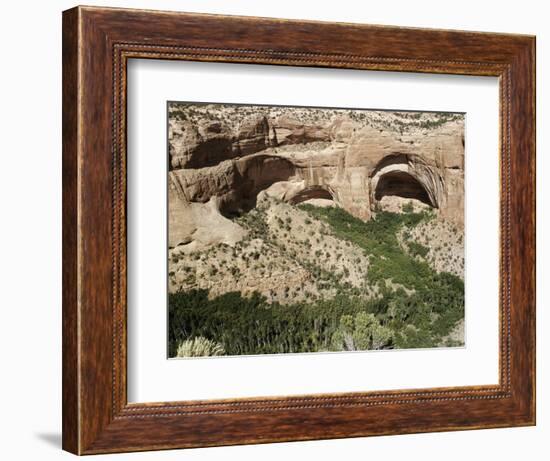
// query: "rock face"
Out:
[196,146]
[219,169]
[290,131]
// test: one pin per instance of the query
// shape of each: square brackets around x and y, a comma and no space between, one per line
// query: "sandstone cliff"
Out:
[223,158]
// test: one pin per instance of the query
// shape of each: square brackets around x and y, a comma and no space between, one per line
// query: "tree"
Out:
[361,332]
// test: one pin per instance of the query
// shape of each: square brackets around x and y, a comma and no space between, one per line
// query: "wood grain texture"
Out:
[97,43]
[70,384]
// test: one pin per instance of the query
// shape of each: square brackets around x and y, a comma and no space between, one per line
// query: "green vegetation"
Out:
[416,249]
[249,325]
[415,307]
[361,332]
[378,237]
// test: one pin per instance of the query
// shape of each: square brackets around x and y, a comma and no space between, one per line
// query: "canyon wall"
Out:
[219,169]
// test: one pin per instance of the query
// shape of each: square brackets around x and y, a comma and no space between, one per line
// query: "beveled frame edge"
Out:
[97,43]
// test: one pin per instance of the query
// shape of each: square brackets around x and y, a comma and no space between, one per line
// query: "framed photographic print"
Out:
[284,230]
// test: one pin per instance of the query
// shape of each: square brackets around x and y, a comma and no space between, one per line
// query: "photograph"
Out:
[313,229]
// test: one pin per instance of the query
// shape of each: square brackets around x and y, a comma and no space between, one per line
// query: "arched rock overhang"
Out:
[311,192]
[406,176]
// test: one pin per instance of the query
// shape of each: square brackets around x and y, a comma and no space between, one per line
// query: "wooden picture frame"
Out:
[97,43]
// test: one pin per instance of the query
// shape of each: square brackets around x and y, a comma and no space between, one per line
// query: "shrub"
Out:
[408,207]
[199,347]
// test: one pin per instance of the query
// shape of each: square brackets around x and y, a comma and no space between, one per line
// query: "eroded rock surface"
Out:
[220,167]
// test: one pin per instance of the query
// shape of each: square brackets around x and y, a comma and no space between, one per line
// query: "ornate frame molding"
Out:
[97,44]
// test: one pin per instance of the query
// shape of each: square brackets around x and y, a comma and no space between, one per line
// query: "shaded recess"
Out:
[311,192]
[401,184]
[254,175]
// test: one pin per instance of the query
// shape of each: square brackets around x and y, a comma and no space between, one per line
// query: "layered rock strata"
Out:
[219,170]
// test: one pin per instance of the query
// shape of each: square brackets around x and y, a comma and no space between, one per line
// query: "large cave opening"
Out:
[401,184]
[253,174]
